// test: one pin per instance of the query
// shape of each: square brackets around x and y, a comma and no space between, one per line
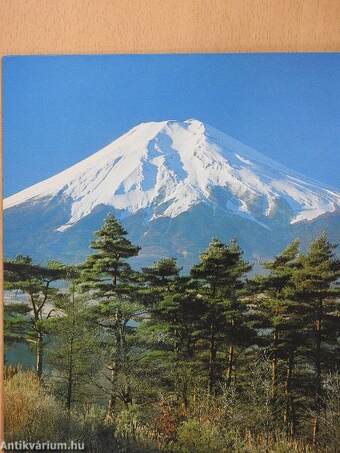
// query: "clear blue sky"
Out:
[59,110]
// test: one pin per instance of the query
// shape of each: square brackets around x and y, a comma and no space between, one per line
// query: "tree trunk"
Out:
[186,399]
[315,425]
[230,363]
[318,358]
[112,399]
[117,361]
[70,359]
[293,420]
[318,386]
[111,408]
[114,277]
[274,363]
[289,415]
[212,360]
[39,355]
[70,378]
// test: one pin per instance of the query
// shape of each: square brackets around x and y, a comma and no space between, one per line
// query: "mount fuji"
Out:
[174,185]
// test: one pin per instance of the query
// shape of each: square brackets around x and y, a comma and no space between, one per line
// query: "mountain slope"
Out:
[167,173]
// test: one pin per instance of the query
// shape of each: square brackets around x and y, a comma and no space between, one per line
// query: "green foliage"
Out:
[128,421]
[36,282]
[219,282]
[106,271]
[110,280]
[16,323]
[199,437]
[73,351]
[159,361]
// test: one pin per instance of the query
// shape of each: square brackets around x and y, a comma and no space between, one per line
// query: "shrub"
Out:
[128,420]
[30,413]
[197,437]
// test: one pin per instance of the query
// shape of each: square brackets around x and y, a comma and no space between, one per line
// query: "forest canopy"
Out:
[216,360]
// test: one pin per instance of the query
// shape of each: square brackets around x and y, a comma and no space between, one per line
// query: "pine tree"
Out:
[174,312]
[159,278]
[16,323]
[317,290]
[73,353]
[36,282]
[112,283]
[219,280]
[284,312]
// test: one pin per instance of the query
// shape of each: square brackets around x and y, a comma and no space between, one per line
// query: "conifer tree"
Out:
[219,279]
[174,312]
[73,353]
[279,304]
[317,290]
[16,323]
[160,278]
[36,282]
[113,284]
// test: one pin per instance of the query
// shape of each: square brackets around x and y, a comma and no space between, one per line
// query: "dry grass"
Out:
[30,413]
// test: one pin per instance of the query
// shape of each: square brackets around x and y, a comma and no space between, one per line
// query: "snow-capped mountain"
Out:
[159,172]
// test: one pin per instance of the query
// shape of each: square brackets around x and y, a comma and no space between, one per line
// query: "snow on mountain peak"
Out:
[167,167]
